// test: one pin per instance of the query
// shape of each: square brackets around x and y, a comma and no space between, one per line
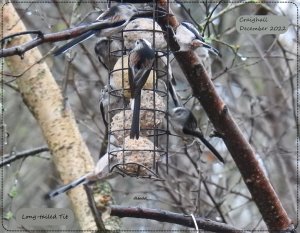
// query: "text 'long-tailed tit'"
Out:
[113,20]
[141,60]
[188,37]
[184,123]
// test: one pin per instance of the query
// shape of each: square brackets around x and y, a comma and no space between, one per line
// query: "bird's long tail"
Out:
[212,49]
[208,145]
[74,42]
[135,124]
[73,184]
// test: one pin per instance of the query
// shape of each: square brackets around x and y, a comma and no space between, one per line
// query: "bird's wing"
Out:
[141,78]
[113,15]
[191,122]
[211,49]
[143,72]
[103,114]
[109,13]
[192,28]
[140,68]
[112,20]
[131,83]
[134,57]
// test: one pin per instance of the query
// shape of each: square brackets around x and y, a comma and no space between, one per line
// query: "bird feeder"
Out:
[139,157]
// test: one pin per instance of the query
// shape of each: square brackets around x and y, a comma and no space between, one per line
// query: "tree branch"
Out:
[171,217]
[58,36]
[46,38]
[9,158]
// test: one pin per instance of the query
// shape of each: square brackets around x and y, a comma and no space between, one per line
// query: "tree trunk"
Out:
[43,97]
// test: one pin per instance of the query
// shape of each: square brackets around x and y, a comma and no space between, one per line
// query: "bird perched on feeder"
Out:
[119,79]
[111,21]
[141,60]
[188,37]
[142,28]
[108,51]
[184,123]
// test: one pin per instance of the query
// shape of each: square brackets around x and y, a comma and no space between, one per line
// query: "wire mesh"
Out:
[139,157]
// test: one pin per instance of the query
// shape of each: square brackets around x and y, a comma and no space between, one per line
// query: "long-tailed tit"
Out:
[113,20]
[142,28]
[99,173]
[171,82]
[119,79]
[188,37]
[141,60]
[114,101]
[184,123]
[103,47]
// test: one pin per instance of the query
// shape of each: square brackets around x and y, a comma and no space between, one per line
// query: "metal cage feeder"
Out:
[139,157]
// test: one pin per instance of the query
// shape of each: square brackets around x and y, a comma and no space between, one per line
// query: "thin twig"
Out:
[217,205]
[209,16]
[9,158]
[27,69]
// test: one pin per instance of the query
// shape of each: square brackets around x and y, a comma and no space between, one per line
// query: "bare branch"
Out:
[171,217]
[46,38]
[9,158]
[58,36]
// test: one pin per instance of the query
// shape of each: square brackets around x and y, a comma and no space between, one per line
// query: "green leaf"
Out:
[13,192]
[8,215]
